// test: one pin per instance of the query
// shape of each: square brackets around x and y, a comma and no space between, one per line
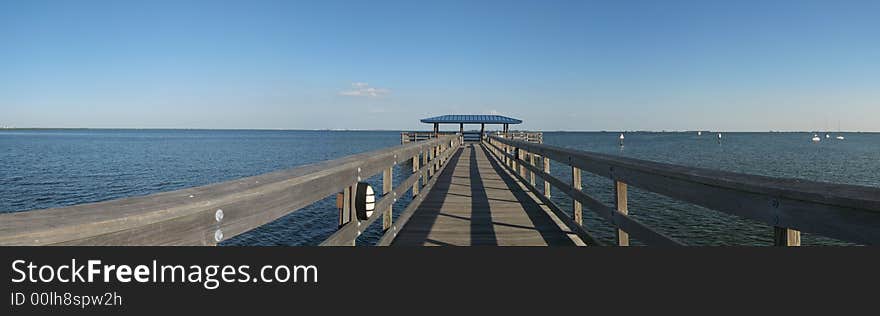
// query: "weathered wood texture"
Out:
[527,136]
[408,137]
[475,202]
[347,234]
[786,237]
[846,212]
[201,215]
[618,219]
[620,203]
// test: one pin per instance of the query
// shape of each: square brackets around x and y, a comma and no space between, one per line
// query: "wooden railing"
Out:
[846,212]
[534,137]
[209,214]
[526,136]
[408,137]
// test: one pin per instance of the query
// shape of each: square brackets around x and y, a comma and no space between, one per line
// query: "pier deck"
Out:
[477,202]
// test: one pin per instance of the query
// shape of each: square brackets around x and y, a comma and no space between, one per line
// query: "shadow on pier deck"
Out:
[477,202]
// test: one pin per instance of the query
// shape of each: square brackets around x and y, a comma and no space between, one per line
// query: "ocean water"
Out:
[855,160]
[52,168]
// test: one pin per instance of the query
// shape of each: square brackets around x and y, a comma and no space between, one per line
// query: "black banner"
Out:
[130,279]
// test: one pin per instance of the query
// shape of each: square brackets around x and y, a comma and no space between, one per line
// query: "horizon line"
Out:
[412,130]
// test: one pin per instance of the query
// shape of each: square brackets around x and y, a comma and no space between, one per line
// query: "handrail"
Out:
[208,214]
[529,136]
[846,212]
[615,217]
[347,234]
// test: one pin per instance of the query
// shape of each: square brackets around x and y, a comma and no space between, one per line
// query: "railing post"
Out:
[415,169]
[522,157]
[547,183]
[425,164]
[343,203]
[387,182]
[532,173]
[514,164]
[434,153]
[576,207]
[510,151]
[620,202]
[786,237]
[430,162]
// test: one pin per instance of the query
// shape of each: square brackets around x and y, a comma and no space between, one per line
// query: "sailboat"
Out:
[839,136]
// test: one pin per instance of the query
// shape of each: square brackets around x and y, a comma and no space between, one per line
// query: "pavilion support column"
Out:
[482,130]
[436,129]
[461,128]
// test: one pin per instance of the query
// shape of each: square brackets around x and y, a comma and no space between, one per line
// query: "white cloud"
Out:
[363,89]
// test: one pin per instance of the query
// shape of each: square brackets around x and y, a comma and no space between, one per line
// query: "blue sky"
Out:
[558,65]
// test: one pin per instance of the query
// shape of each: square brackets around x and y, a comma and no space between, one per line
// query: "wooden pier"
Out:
[477,202]
[494,191]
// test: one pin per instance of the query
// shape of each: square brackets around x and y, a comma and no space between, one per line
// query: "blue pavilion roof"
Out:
[471,119]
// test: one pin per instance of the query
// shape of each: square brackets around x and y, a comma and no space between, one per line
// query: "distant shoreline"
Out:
[394,130]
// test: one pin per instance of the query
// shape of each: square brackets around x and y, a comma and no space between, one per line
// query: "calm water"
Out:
[51,168]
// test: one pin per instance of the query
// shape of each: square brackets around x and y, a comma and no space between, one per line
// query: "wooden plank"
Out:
[588,238]
[621,204]
[473,203]
[347,235]
[786,237]
[425,163]
[415,170]
[532,173]
[622,221]
[345,212]
[546,171]
[387,183]
[576,208]
[404,217]
[846,212]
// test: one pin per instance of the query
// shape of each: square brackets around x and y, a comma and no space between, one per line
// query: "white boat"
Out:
[699,133]
[827,136]
[816,138]
[620,139]
[839,137]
